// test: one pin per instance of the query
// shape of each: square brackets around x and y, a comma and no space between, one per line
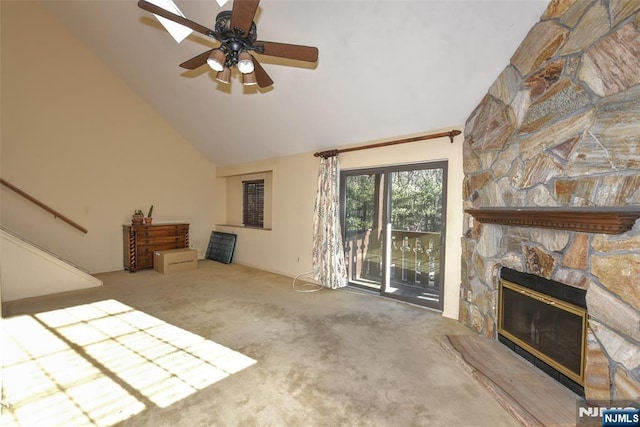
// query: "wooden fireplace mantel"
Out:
[608,220]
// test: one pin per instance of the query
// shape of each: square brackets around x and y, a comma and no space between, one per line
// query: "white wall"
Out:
[28,271]
[1,281]
[286,248]
[79,140]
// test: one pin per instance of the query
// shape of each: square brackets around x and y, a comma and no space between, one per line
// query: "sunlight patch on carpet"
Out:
[102,363]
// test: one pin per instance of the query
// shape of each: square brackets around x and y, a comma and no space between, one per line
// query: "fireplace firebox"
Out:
[545,322]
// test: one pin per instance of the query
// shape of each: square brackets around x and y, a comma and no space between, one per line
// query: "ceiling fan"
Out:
[237,34]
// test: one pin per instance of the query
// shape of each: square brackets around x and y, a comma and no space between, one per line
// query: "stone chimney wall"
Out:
[560,127]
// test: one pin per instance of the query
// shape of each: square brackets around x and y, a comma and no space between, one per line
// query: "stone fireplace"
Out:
[552,181]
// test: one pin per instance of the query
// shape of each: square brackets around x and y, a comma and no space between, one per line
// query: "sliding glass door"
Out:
[394,228]
[363,228]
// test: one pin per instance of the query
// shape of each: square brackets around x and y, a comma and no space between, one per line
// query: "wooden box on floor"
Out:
[173,260]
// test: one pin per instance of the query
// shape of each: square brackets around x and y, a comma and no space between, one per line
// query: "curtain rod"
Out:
[331,153]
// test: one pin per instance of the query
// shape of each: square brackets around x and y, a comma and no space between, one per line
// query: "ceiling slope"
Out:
[385,69]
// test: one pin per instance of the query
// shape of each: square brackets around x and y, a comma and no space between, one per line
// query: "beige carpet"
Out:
[226,345]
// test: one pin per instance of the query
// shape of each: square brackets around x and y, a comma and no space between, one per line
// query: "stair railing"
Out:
[37,202]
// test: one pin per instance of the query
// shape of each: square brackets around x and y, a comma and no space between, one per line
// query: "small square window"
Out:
[253,203]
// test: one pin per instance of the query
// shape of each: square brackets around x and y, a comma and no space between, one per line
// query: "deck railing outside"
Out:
[415,257]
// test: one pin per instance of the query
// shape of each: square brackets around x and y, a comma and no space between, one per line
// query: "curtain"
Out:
[329,267]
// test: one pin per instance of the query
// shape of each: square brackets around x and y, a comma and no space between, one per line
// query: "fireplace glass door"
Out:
[548,328]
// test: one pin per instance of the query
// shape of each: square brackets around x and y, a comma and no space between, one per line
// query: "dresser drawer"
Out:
[149,240]
[164,246]
[154,232]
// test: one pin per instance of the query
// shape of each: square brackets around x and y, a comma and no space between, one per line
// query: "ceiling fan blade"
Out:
[262,78]
[243,13]
[196,61]
[290,51]
[157,10]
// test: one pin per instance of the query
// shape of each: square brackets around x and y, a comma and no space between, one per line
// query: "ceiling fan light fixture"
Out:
[249,79]
[238,37]
[224,76]
[216,60]
[245,63]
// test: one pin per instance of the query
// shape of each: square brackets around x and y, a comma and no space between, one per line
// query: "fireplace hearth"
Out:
[545,322]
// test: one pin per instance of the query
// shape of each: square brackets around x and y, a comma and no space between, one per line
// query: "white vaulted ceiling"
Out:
[385,69]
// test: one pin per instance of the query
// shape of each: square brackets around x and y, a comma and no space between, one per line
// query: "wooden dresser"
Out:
[140,241]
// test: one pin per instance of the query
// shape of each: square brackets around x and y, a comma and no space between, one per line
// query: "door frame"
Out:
[383,194]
